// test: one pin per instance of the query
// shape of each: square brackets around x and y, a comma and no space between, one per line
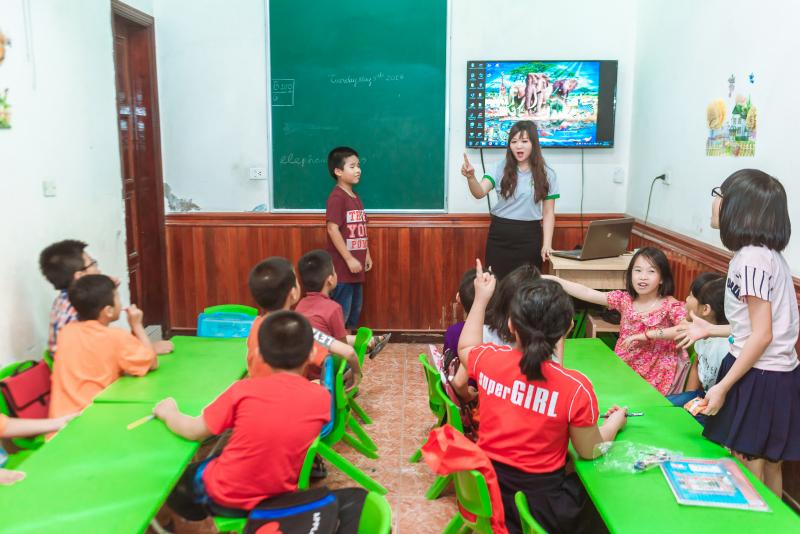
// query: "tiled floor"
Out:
[394,395]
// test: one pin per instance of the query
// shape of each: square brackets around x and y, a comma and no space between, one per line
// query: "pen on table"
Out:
[141,421]
[629,414]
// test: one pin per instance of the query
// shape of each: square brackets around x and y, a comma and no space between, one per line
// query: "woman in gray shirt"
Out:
[523,219]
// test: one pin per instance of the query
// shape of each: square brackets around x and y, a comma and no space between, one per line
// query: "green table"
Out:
[643,502]
[97,476]
[197,371]
[613,380]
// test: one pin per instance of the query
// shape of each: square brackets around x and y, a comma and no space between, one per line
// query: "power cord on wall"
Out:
[650,196]
[583,182]
[483,168]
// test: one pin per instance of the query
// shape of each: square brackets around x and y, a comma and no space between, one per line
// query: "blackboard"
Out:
[365,74]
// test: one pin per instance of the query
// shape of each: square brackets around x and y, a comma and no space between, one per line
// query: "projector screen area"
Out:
[571,102]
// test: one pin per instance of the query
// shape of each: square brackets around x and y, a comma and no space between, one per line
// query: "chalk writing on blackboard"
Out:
[292,160]
[364,80]
[282,92]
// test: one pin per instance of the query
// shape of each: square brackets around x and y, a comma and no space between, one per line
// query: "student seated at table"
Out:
[706,301]
[62,263]
[318,277]
[12,427]
[531,407]
[646,305]
[464,296]
[274,418]
[496,328]
[91,355]
[274,287]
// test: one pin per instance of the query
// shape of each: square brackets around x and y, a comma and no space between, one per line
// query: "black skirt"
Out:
[556,500]
[513,243]
[761,414]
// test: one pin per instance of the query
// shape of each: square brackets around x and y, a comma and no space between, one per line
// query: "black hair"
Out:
[541,313]
[271,281]
[285,339]
[713,294]
[60,261]
[658,260]
[90,294]
[701,280]
[541,184]
[336,158]
[498,309]
[754,211]
[466,290]
[314,268]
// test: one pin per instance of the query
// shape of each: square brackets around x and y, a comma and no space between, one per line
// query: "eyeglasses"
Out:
[91,264]
[716,192]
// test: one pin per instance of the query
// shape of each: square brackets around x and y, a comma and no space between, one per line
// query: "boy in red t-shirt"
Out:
[274,287]
[274,420]
[318,277]
[531,407]
[347,233]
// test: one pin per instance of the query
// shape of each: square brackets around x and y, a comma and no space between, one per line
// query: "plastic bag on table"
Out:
[631,457]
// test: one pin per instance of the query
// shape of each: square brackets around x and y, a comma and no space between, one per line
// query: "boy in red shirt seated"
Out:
[274,419]
[531,407]
[318,277]
[274,287]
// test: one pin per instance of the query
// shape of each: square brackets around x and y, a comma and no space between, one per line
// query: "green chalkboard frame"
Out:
[371,75]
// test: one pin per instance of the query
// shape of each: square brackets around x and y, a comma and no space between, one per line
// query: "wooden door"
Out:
[140,154]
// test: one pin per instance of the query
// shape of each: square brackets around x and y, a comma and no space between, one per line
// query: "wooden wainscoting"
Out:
[418,260]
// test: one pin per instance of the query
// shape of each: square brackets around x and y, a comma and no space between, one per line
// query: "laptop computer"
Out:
[604,239]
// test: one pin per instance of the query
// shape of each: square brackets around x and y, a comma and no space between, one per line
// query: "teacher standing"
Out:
[523,219]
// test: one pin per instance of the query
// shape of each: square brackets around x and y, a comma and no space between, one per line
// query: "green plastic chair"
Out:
[473,495]
[344,420]
[363,337]
[434,400]
[376,516]
[32,443]
[232,308]
[438,400]
[529,524]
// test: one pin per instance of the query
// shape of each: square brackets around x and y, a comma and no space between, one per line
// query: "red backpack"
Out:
[27,391]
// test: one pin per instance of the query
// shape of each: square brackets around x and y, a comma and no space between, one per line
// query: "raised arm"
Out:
[479,189]
[580,291]
[472,334]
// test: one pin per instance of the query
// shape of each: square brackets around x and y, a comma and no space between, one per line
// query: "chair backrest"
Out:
[341,408]
[473,493]
[443,401]
[328,380]
[363,337]
[232,308]
[434,384]
[376,515]
[305,471]
[529,524]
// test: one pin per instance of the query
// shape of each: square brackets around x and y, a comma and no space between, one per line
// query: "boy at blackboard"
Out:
[347,233]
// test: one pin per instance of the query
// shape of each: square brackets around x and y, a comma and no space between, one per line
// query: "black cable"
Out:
[650,196]
[583,181]
[483,167]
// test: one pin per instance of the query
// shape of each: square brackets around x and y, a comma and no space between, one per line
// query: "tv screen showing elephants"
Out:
[571,102]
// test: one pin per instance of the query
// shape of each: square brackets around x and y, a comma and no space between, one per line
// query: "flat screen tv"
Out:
[571,102]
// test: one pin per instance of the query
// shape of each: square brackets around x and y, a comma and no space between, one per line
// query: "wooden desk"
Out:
[608,273]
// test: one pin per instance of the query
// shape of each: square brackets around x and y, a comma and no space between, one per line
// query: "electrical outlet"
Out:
[258,173]
[48,188]
[619,175]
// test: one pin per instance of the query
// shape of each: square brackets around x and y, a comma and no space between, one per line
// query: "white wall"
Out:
[60,75]
[213,97]
[686,50]
[212,90]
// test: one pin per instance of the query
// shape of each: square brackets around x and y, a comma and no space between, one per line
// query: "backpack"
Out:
[317,510]
[27,391]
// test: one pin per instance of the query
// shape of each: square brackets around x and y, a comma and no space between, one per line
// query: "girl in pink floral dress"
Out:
[649,315]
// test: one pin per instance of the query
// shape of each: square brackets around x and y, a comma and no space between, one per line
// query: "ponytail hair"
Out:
[541,314]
